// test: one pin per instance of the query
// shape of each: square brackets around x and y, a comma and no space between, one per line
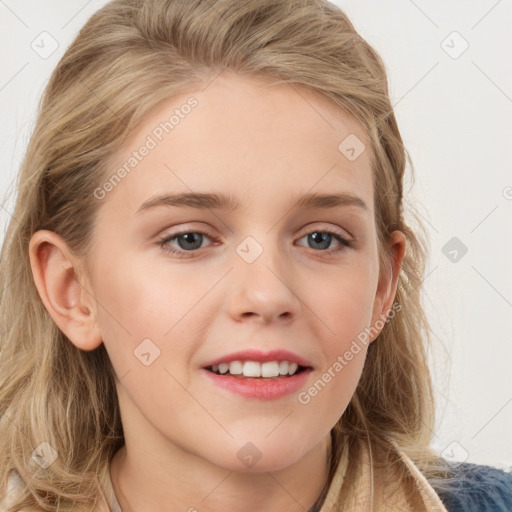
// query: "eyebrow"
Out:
[225,202]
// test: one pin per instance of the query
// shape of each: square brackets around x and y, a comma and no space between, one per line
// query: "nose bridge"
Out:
[262,278]
[259,259]
[260,250]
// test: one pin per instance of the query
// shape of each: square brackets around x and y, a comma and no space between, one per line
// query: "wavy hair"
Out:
[129,56]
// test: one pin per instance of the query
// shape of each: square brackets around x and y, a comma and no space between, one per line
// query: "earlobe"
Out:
[388,283]
[61,290]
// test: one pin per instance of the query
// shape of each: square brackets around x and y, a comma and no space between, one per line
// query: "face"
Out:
[180,285]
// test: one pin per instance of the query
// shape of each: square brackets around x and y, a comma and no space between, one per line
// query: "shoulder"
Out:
[478,488]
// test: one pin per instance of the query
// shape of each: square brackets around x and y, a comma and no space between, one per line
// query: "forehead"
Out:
[245,138]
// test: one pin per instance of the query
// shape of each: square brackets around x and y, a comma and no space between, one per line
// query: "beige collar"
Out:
[367,499]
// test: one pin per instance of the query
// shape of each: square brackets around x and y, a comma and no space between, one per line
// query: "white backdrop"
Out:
[450,75]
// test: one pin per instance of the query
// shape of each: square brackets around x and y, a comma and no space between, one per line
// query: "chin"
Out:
[253,458]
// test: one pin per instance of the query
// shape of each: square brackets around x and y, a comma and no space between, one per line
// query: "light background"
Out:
[454,111]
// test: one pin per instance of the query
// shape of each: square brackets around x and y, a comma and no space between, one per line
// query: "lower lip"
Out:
[263,389]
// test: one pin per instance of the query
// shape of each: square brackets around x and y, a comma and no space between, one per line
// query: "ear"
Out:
[63,289]
[388,282]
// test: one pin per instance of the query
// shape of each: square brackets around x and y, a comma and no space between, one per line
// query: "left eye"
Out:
[190,241]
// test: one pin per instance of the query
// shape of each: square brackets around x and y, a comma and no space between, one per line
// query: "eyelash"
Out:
[162,243]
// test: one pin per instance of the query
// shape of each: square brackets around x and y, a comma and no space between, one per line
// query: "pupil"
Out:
[318,236]
[190,238]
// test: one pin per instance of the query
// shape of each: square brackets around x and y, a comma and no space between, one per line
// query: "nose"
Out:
[263,289]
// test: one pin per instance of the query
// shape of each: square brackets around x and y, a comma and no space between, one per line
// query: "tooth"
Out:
[283,368]
[235,367]
[223,367]
[252,369]
[270,369]
[293,368]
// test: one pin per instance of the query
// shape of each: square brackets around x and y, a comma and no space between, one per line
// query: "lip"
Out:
[261,357]
[259,388]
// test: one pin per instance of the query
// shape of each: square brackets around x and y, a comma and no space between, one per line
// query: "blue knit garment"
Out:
[479,488]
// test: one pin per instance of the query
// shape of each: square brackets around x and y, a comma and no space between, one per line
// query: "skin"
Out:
[265,146]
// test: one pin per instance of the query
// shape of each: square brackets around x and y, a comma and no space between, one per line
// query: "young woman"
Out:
[210,298]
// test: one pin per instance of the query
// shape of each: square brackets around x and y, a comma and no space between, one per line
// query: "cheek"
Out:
[137,304]
[344,303]
[346,311]
[158,303]
[328,394]
[146,329]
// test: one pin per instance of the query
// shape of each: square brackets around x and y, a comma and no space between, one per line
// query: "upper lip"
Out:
[260,356]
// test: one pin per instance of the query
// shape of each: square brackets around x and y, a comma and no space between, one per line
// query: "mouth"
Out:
[255,381]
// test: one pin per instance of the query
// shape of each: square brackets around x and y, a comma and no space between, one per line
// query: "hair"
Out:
[128,57]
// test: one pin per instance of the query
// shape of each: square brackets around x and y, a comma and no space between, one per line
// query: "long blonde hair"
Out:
[129,56]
